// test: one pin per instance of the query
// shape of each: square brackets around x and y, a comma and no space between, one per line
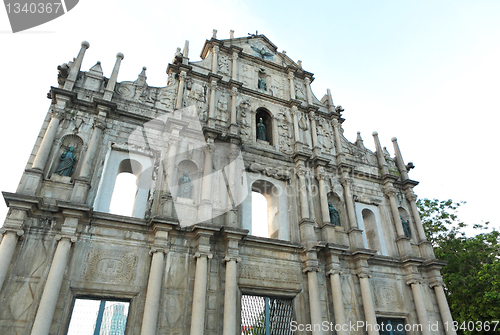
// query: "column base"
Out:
[31,182]
[234,129]
[205,211]
[232,218]
[426,249]
[356,239]
[80,190]
[404,246]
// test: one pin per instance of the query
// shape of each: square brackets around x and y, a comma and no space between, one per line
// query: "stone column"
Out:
[215,57]
[351,212]
[368,306]
[314,135]
[338,144]
[338,302]
[231,286]
[304,205]
[172,151]
[211,107]
[292,85]
[323,197]
[48,139]
[444,309]
[151,307]
[296,129]
[418,297]
[180,91]
[234,92]
[307,81]
[391,192]
[411,197]
[50,295]
[206,187]
[99,126]
[312,270]
[7,248]
[230,291]
[234,68]
[200,284]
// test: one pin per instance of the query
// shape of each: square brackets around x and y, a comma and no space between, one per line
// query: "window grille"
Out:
[266,316]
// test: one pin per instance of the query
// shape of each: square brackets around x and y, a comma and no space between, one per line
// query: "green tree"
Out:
[472,276]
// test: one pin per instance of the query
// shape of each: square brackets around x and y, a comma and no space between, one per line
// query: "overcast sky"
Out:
[426,72]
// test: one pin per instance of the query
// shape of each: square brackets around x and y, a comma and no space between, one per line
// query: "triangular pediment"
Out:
[258,46]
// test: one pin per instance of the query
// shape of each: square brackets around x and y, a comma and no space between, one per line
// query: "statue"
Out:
[261,130]
[185,186]
[406,227]
[67,163]
[177,57]
[334,215]
[262,84]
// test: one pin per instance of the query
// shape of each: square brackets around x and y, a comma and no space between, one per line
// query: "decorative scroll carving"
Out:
[277,173]
[224,62]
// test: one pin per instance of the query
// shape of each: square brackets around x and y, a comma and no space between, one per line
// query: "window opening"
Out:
[124,194]
[265,315]
[391,326]
[260,223]
[98,317]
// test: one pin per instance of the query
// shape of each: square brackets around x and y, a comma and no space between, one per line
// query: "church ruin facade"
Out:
[340,248]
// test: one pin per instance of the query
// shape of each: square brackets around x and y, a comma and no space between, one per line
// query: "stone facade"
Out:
[183,258]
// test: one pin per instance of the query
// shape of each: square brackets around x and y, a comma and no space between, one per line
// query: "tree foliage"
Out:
[472,276]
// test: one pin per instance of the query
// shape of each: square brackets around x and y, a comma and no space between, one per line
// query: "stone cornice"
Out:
[54,92]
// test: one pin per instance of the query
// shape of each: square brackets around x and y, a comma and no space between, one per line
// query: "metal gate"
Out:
[266,316]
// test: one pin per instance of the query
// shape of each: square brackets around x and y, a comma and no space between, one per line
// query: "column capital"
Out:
[307,80]
[155,250]
[364,275]
[390,190]
[334,272]
[101,124]
[71,238]
[301,169]
[321,173]
[410,195]
[436,282]
[311,265]
[18,232]
[235,55]
[200,254]
[234,91]
[57,113]
[413,281]
[229,258]
[215,48]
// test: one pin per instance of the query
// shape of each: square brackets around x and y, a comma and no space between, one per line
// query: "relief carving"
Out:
[111,267]
[273,274]
[387,295]
[224,64]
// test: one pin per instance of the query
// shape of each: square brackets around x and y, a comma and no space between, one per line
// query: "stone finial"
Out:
[399,160]
[214,34]
[75,68]
[231,34]
[141,79]
[380,154]
[185,52]
[299,63]
[329,101]
[359,140]
[110,87]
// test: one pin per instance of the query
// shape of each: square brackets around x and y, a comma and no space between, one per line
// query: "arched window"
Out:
[259,215]
[370,224]
[263,126]
[121,168]
[265,203]
[125,190]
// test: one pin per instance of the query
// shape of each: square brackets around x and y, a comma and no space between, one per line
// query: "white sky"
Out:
[426,72]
